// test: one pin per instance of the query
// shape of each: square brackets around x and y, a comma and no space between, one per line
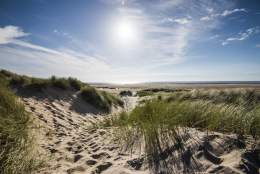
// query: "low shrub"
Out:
[126,93]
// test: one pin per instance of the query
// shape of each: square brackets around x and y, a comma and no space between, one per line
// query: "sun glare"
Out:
[125,32]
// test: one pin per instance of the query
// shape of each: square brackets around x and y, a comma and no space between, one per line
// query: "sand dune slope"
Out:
[70,145]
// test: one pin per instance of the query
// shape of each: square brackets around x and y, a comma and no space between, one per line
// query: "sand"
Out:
[70,144]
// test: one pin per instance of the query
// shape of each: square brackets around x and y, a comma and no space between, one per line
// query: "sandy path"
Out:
[130,102]
[70,146]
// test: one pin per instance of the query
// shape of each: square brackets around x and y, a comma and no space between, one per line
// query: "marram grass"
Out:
[159,122]
[16,142]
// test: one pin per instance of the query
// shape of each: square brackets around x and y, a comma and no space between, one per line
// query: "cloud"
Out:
[206,18]
[181,21]
[257,46]
[214,37]
[62,33]
[9,33]
[168,31]
[229,12]
[160,44]
[242,35]
[223,14]
[117,2]
[64,62]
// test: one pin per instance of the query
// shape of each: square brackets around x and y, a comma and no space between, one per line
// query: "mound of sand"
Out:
[70,144]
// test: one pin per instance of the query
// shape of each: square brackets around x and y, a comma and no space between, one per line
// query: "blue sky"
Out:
[128,41]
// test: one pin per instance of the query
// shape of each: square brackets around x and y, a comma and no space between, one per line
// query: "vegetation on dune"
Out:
[159,122]
[152,91]
[240,97]
[40,83]
[126,93]
[16,140]
[100,99]
[16,150]
[143,93]
[75,83]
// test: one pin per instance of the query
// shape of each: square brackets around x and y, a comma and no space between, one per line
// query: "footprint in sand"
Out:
[91,162]
[92,145]
[96,149]
[77,158]
[136,163]
[76,169]
[70,143]
[100,168]
[101,155]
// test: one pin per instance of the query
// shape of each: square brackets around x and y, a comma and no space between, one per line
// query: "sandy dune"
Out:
[70,145]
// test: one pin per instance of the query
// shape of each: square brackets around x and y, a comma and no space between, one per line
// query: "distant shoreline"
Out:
[186,84]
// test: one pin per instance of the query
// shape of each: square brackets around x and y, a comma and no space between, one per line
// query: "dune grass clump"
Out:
[144,93]
[238,113]
[239,97]
[100,99]
[60,83]
[39,84]
[126,93]
[75,83]
[152,91]
[16,142]
[160,122]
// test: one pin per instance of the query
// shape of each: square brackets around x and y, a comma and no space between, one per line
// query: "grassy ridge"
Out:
[239,97]
[100,99]
[16,142]
[39,83]
[225,111]
[152,91]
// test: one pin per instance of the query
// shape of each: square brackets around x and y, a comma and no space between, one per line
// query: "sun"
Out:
[125,32]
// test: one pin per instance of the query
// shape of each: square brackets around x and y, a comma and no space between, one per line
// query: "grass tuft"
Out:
[126,93]
[159,122]
[16,150]
[39,84]
[100,99]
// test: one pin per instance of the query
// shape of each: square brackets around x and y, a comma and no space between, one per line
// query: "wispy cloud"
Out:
[170,28]
[214,37]
[182,21]
[160,44]
[10,33]
[229,12]
[168,33]
[12,50]
[62,33]
[242,35]
[225,13]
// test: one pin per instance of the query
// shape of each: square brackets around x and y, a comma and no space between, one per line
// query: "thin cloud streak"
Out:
[242,35]
[57,61]
[223,14]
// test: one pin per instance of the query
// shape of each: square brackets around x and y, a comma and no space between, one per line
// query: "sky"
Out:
[130,41]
